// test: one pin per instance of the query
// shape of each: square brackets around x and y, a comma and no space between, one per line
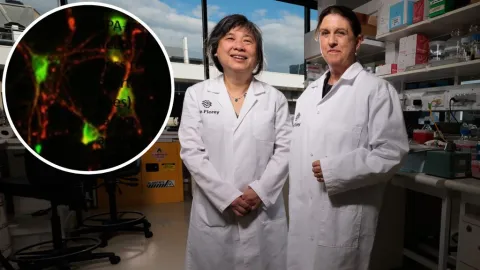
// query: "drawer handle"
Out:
[469,229]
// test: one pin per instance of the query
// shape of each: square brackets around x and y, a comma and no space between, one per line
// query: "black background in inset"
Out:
[152,91]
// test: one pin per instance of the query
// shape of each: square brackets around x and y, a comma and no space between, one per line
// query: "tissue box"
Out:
[401,14]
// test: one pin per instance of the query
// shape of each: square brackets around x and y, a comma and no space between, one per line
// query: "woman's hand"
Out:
[251,197]
[317,171]
[240,207]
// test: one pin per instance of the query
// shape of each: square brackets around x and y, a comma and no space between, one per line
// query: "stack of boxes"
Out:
[413,50]
[391,59]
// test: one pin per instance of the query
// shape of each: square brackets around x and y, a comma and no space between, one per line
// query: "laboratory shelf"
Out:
[438,26]
[468,68]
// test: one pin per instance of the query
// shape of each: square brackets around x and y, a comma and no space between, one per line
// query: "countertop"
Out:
[465,185]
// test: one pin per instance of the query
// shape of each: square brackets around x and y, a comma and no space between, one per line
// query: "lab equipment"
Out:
[448,163]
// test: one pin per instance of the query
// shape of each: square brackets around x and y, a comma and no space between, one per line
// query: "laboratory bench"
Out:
[467,191]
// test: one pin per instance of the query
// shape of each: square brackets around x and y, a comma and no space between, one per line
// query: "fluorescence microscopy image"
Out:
[88,88]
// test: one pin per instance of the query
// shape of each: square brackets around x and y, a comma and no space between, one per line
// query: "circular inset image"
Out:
[88,88]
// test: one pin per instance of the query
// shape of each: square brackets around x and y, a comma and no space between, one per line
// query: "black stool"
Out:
[111,223]
[43,182]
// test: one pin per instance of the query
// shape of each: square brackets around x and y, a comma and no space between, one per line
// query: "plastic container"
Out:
[422,135]
[453,46]
[437,51]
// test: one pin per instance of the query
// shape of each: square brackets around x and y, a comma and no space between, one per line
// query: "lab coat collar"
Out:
[217,84]
[349,75]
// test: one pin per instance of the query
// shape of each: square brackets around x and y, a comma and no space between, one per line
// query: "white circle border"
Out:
[172,86]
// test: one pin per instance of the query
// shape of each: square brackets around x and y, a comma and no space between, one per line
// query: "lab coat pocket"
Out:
[274,244]
[339,228]
[264,126]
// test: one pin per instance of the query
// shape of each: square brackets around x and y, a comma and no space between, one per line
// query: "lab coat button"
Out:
[311,154]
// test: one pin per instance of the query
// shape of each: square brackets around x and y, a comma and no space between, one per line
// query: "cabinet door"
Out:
[469,244]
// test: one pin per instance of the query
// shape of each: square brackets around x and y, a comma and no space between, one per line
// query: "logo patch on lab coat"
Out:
[207,103]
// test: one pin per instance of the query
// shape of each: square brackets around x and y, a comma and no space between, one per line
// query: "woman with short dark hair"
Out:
[234,138]
[348,140]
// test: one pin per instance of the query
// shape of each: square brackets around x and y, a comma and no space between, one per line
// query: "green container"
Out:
[449,165]
[439,7]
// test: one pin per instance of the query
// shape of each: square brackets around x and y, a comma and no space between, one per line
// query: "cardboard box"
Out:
[417,43]
[409,60]
[439,7]
[420,10]
[391,53]
[383,16]
[368,24]
[401,14]
[386,69]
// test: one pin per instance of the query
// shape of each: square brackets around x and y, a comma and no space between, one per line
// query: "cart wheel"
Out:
[115,259]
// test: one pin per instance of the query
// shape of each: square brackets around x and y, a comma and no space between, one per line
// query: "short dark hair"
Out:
[223,27]
[346,13]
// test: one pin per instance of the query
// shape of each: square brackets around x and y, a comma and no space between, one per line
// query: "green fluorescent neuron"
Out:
[125,92]
[90,134]
[117,25]
[125,101]
[38,148]
[115,55]
[40,67]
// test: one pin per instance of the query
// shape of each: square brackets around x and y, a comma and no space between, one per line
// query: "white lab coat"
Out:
[358,133]
[225,155]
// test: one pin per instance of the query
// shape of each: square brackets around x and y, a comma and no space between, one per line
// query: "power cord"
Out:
[450,109]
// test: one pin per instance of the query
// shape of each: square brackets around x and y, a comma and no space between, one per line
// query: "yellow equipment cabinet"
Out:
[162,178]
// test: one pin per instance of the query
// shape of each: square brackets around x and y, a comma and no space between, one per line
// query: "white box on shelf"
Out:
[386,69]
[402,47]
[391,53]
[417,43]
[383,16]
[409,60]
